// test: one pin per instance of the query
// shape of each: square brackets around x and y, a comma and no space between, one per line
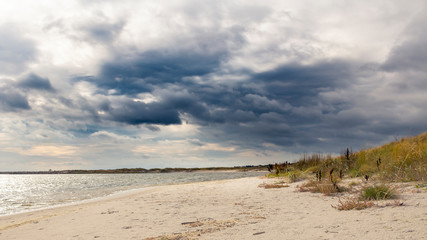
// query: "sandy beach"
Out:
[227,209]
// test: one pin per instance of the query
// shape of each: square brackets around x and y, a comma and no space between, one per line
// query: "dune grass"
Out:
[401,160]
[377,192]
[353,203]
[325,187]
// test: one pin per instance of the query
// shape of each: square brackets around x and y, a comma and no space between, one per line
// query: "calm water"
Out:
[20,193]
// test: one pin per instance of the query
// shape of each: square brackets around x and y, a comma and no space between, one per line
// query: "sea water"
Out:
[19,193]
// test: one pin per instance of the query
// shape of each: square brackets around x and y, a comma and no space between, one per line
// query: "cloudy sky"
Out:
[193,83]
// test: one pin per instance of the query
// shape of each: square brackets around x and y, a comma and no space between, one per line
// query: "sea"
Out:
[27,192]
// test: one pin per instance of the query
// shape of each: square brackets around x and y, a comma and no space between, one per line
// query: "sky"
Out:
[194,83]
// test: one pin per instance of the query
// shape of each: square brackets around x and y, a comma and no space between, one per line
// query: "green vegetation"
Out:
[366,197]
[402,160]
[377,192]
[399,161]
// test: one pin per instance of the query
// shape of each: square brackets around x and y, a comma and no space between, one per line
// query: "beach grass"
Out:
[353,203]
[378,192]
[325,187]
[398,161]
[373,171]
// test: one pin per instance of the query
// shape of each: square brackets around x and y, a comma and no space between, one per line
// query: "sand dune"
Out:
[228,209]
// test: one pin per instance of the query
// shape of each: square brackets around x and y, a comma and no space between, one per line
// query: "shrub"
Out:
[377,192]
[325,187]
[293,176]
[353,203]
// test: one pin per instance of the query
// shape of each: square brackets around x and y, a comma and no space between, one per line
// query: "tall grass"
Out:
[401,160]
[377,192]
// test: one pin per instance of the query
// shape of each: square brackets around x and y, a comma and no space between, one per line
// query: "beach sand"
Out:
[227,209]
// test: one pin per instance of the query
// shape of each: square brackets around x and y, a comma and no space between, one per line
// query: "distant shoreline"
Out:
[143,170]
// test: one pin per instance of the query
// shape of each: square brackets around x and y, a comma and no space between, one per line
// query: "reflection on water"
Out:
[26,192]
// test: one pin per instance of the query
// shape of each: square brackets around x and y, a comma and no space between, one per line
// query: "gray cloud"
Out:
[286,106]
[274,106]
[33,81]
[135,113]
[283,77]
[104,32]
[11,100]
[16,51]
[410,53]
[154,68]
[195,55]
[14,94]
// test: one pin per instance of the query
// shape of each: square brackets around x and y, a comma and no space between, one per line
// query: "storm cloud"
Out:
[12,100]
[137,84]
[135,113]
[33,81]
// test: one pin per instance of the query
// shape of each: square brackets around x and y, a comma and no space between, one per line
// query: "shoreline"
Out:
[136,182]
[251,168]
[221,209]
[83,201]
[112,196]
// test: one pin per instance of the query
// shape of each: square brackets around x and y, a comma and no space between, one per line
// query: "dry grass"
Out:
[273,185]
[377,195]
[325,187]
[401,160]
[353,203]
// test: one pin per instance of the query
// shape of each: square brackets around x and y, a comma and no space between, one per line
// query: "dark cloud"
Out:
[11,100]
[15,50]
[194,55]
[33,81]
[287,106]
[300,84]
[192,103]
[154,68]
[324,105]
[273,106]
[134,113]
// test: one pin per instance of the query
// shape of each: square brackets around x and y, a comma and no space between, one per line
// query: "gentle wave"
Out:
[19,193]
